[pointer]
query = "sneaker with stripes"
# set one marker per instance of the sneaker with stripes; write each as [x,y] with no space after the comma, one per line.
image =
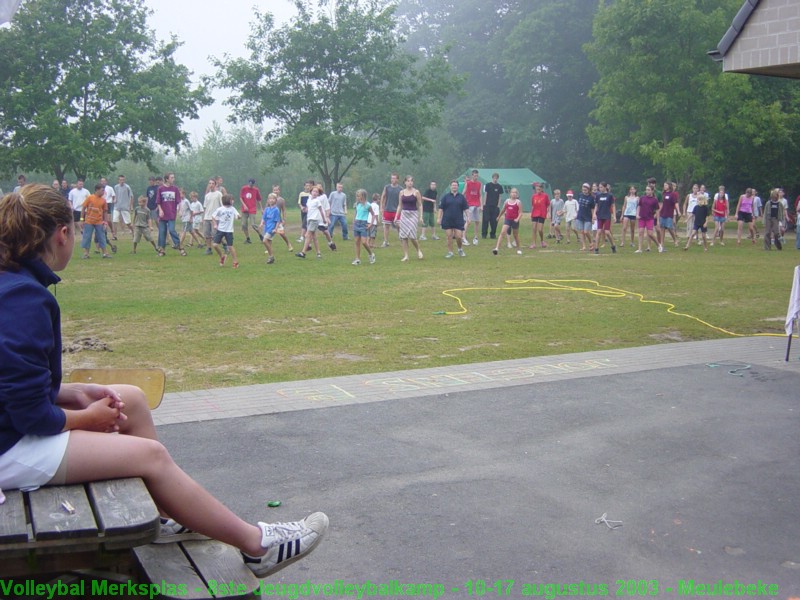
[172,531]
[287,542]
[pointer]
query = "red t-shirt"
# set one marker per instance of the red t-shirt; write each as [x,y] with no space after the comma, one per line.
[472,192]
[249,196]
[540,205]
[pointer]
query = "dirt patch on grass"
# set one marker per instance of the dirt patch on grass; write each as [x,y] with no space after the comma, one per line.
[669,336]
[350,357]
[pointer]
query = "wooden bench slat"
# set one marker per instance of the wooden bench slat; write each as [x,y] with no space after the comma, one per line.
[51,521]
[224,565]
[122,506]
[13,524]
[159,563]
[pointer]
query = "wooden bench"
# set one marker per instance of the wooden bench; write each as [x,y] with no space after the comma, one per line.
[109,525]
[197,569]
[62,528]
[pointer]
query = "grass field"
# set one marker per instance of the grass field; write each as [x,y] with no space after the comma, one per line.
[296,319]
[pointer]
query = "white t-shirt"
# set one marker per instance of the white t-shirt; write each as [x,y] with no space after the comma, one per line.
[315,207]
[571,209]
[212,203]
[197,209]
[225,216]
[111,195]
[373,220]
[77,196]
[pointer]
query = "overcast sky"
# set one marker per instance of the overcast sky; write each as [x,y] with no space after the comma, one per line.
[210,28]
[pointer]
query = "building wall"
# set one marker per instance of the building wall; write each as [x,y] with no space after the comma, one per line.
[770,38]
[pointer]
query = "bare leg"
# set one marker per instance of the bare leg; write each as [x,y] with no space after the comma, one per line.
[93,456]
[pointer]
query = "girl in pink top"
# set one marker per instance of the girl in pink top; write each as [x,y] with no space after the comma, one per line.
[744,214]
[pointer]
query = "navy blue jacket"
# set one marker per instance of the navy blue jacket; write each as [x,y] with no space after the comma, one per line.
[30,354]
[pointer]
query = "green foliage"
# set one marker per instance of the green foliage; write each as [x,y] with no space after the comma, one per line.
[85,85]
[661,98]
[339,87]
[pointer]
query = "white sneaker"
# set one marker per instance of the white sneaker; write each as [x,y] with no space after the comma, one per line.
[661,249]
[356,262]
[287,542]
[300,239]
[509,245]
[372,258]
[461,252]
[419,254]
[435,237]
[465,242]
[385,245]
[422,238]
[449,255]
[474,241]
[519,251]
[172,531]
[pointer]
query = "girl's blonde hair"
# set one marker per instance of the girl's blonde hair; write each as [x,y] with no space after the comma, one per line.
[362,193]
[29,218]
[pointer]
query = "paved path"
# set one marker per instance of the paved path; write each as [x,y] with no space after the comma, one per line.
[497,472]
[243,401]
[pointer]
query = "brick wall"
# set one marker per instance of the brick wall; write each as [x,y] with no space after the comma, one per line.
[771,37]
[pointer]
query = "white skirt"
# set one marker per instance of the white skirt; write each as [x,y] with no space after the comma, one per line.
[32,461]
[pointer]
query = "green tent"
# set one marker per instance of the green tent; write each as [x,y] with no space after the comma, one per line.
[522,179]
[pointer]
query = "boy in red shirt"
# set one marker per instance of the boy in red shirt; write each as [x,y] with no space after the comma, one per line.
[472,192]
[540,207]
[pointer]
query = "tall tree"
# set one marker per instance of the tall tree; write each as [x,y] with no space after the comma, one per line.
[338,85]
[473,32]
[84,85]
[549,79]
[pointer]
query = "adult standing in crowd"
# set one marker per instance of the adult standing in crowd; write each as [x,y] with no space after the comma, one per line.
[64,189]
[124,203]
[168,198]
[452,206]
[77,196]
[491,206]
[390,200]
[408,216]
[472,192]
[250,197]
[429,197]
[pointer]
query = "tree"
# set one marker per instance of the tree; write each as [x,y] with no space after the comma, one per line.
[549,79]
[85,85]
[338,86]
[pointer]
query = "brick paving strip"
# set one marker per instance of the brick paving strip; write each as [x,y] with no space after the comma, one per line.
[242,401]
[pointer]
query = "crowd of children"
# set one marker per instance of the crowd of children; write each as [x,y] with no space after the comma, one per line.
[648,221]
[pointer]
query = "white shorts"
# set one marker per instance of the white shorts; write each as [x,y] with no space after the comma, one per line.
[474,214]
[32,461]
[125,214]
